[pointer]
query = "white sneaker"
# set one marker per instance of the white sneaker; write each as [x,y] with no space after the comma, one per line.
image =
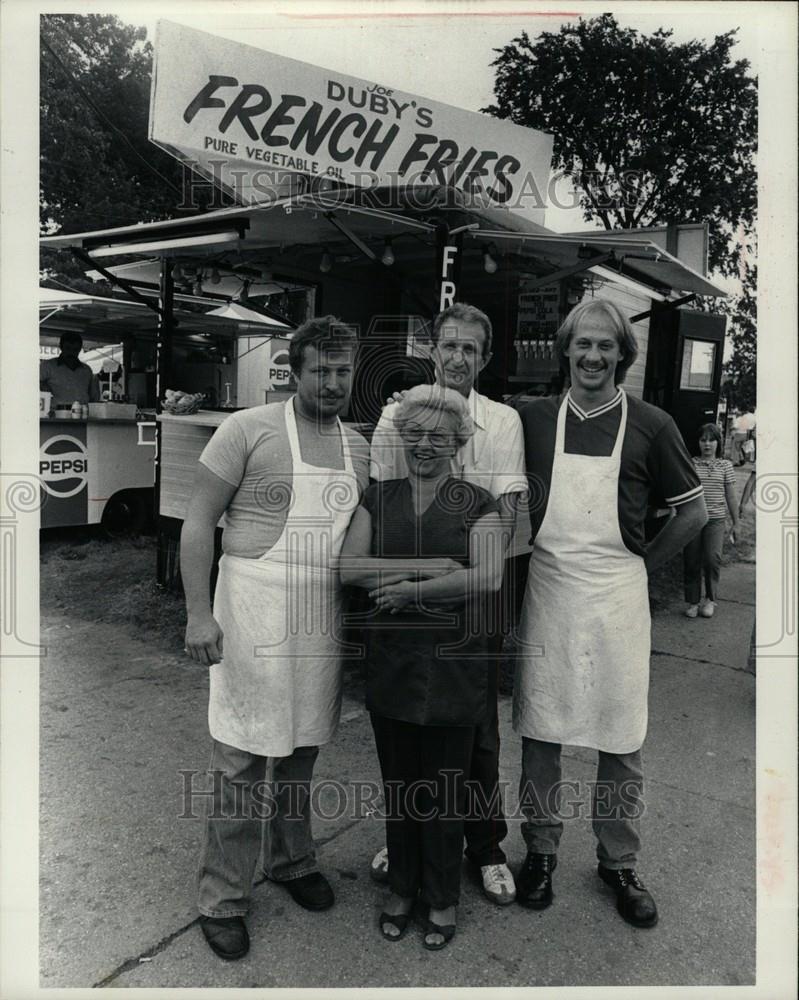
[692,611]
[707,610]
[379,867]
[498,884]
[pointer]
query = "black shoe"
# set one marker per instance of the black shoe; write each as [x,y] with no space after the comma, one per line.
[633,901]
[313,892]
[227,936]
[534,881]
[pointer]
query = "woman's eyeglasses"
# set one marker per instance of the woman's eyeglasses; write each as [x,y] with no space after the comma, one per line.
[413,435]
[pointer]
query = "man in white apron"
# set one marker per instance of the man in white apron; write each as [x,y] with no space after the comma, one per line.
[287,477]
[598,458]
[493,458]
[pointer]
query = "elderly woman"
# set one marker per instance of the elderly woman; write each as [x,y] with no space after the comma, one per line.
[429,550]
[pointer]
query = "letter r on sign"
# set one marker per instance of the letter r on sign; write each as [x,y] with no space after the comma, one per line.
[447,295]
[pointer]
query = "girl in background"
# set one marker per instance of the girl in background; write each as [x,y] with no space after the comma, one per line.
[702,555]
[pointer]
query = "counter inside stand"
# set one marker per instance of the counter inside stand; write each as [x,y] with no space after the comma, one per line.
[76,421]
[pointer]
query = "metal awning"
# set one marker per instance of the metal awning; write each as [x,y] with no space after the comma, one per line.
[229,237]
[106,321]
[300,221]
[641,261]
[248,321]
[145,275]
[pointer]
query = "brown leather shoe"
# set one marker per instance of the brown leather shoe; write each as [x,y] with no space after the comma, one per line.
[226,936]
[534,881]
[633,901]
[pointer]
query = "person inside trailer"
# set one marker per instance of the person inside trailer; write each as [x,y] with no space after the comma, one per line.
[68,378]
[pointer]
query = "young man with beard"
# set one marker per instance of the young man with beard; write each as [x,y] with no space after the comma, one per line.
[287,477]
[598,458]
[494,459]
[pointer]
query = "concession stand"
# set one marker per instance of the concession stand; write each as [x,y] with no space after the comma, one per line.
[99,468]
[382,208]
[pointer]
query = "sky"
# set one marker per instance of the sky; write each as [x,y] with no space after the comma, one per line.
[441,51]
[444,54]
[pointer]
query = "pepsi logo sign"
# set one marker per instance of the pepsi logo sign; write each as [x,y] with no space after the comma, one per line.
[63,466]
[279,373]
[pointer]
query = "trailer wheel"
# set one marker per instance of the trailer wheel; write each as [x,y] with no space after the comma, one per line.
[124,514]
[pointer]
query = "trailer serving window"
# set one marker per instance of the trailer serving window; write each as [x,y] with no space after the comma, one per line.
[698,365]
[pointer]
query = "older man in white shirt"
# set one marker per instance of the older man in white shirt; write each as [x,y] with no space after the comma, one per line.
[494,459]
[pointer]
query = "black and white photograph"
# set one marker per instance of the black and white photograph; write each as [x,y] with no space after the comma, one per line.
[403,593]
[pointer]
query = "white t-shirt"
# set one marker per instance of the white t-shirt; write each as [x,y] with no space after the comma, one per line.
[492,458]
[250,450]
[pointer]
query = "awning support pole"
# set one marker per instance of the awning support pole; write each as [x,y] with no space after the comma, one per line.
[660,307]
[163,376]
[114,279]
[166,326]
[565,272]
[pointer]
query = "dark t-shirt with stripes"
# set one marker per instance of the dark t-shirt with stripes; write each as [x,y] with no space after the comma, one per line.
[656,469]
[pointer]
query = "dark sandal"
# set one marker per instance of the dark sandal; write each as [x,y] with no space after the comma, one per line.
[399,920]
[447,931]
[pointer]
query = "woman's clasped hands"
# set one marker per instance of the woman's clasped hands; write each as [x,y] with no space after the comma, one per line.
[395,597]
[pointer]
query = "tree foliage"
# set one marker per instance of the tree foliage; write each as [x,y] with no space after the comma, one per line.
[98,169]
[740,372]
[650,131]
[94,151]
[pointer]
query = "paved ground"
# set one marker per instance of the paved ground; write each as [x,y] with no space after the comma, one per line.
[118,863]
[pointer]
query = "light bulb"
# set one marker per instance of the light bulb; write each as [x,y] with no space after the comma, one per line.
[388,254]
[326,263]
[489,264]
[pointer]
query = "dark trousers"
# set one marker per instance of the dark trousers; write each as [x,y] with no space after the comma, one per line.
[485,825]
[702,558]
[424,773]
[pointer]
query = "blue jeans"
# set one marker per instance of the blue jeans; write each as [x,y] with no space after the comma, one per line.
[702,558]
[245,809]
[616,804]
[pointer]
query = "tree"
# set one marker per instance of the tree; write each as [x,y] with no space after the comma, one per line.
[650,131]
[740,385]
[97,167]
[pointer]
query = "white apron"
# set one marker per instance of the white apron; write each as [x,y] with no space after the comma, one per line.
[582,675]
[279,683]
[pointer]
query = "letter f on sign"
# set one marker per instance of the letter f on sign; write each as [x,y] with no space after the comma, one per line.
[204,99]
[447,257]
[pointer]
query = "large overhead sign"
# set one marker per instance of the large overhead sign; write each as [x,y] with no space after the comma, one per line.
[253,121]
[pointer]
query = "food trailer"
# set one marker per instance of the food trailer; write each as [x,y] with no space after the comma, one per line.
[383,243]
[100,468]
